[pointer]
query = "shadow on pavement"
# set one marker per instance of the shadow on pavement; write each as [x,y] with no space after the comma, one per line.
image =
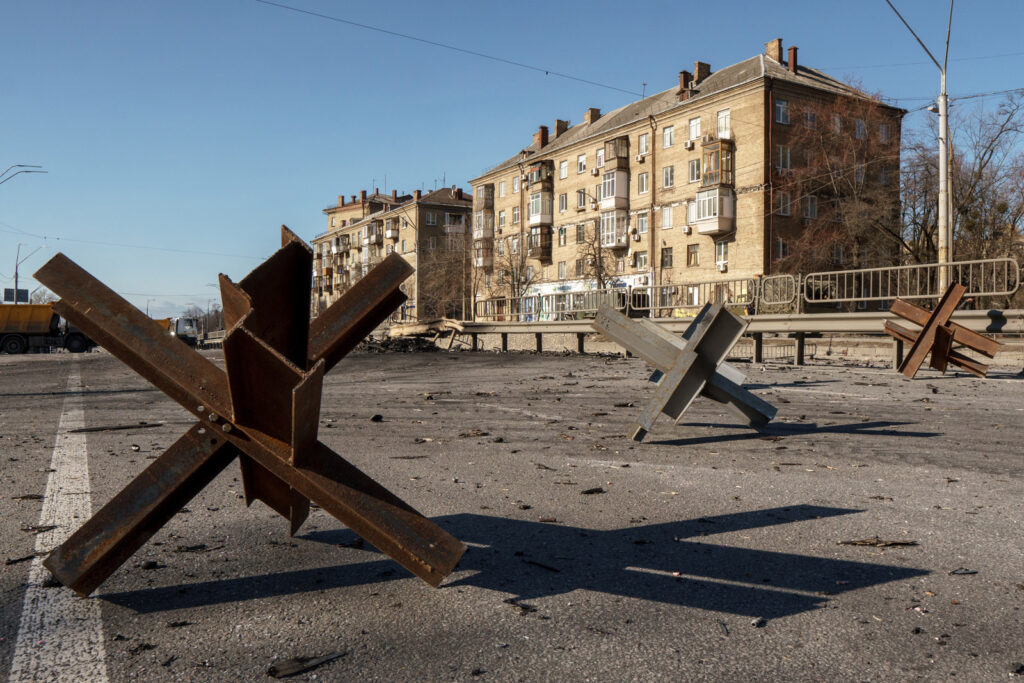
[668,563]
[779,429]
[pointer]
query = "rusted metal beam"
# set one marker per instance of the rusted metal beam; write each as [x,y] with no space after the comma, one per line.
[265,409]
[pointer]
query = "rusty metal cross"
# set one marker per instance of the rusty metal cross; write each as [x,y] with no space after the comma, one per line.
[937,335]
[264,410]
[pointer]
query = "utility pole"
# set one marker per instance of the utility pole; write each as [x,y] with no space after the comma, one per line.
[945,233]
[17,262]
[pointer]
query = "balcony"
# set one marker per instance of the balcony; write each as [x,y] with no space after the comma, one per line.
[373,236]
[717,162]
[716,212]
[391,232]
[483,225]
[484,200]
[483,257]
[615,190]
[541,208]
[538,245]
[456,225]
[345,242]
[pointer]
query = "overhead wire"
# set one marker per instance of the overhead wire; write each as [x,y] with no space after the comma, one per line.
[447,46]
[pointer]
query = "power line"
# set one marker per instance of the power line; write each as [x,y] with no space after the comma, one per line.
[447,46]
[959,59]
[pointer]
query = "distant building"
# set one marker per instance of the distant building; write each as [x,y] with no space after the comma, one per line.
[429,230]
[694,183]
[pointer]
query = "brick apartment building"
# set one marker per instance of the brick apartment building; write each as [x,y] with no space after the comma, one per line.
[430,230]
[692,184]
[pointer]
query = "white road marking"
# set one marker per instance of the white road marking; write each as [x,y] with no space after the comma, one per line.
[61,635]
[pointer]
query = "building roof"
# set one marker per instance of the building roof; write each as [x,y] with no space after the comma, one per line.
[755,68]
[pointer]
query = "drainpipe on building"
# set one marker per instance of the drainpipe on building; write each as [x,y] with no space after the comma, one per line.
[654,183]
[769,111]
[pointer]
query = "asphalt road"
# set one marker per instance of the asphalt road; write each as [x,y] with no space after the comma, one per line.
[712,552]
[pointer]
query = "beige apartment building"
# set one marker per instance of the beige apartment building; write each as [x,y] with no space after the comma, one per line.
[692,184]
[430,231]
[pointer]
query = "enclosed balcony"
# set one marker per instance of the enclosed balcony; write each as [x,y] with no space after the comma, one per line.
[538,244]
[373,234]
[483,256]
[484,199]
[716,212]
[483,225]
[391,229]
[541,208]
[344,242]
[614,190]
[717,163]
[455,225]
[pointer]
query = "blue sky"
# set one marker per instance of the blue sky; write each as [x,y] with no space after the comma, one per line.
[178,135]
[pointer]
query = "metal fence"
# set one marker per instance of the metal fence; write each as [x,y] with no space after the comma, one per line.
[571,305]
[771,294]
[983,278]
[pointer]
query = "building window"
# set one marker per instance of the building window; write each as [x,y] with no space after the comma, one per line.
[643,143]
[860,129]
[810,120]
[693,296]
[515,185]
[581,199]
[581,163]
[883,132]
[691,213]
[599,191]
[782,204]
[432,243]
[563,202]
[501,219]
[608,184]
[332,221]
[599,157]
[431,218]
[533,208]
[721,253]
[883,174]
[403,246]
[837,254]
[529,273]
[781,157]
[643,183]
[563,170]
[641,260]
[724,123]
[620,265]
[666,217]
[515,215]
[692,255]
[810,206]
[561,270]
[513,245]
[563,236]
[707,204]
[641,223]
[667,135]
[668,176]
[695,128]
[858,174]
[608,229]
[837,123]
[501,247]
[694,166]
[501,189]
[666,257]
[405,223]
[781,111]
[501,277]
[579,267]
[781,248]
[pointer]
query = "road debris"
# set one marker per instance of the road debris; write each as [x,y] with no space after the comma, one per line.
[115,428]
[523,607]
[377,418]
[37,529]
[28,496]
[759,622]
[589,492]
[877,542]
[963,572]
[298,665]
[16,560]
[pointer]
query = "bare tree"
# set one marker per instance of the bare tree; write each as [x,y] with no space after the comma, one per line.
[513,273]
[43,296]
[444,279]
[836,185]
[598,261]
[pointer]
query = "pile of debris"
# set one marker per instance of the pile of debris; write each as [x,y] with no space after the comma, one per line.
[408,344]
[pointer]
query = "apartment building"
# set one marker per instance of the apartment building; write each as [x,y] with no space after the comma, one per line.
[695,183]
[430,230]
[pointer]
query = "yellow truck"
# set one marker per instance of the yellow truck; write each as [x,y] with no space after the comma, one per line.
[36,327]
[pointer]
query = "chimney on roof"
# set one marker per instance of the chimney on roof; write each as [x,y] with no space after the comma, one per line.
[362,195]
[458,193]
[560,127]
[591,116]
[394,195]
[353,199]
[792,58]
[540,138]
[416,195]
[376,190]
[685,81]
[773,48]
[341,200]
[701,70]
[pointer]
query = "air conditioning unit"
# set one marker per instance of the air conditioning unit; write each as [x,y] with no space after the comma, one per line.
[688,144]
[687,229]
[639,158]
[595,171]
[644,280]
[722,266]
[636,238]
[708,138]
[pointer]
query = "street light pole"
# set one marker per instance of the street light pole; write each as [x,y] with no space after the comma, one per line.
[945,233]
[26,168]
[17,262]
